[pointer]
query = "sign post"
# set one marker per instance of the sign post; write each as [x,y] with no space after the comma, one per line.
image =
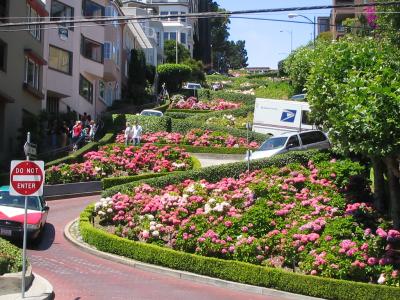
[26,179]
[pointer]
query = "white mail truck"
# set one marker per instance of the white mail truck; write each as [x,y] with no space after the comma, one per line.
[275,117]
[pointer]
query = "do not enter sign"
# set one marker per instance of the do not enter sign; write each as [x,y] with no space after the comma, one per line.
[26,178]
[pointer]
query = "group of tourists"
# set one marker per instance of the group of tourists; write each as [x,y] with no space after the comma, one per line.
[133,133]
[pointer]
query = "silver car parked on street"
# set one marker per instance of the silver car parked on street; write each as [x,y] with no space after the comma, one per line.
[292,141]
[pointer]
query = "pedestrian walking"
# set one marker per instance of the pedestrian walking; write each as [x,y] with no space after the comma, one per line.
[93,129]
[137,133]
[76,131]
[64,134]
[128,133]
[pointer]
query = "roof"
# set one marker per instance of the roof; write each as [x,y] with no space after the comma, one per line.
[4,188]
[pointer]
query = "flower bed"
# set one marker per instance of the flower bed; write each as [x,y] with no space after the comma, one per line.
[231,121]
[194,104]
[292,218]
[120,160]
[195,137]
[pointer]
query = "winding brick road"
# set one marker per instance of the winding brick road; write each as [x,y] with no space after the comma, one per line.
[76,275]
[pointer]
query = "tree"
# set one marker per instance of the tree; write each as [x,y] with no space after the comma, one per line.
[197,73]
[136,75]
[237,54]
[298,66]
[170,52]
[353,92]
[388,21]
[173,75]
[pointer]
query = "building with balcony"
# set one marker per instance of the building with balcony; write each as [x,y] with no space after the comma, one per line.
[21,72]
[323,24]
[85,60]
[338,15]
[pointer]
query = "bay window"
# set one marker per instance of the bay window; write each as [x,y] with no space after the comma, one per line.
[91,9]
[61,11]
[33,17]
[60,60]
[32,72]
[85,88]
[91,49]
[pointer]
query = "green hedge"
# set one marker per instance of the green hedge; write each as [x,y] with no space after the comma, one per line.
[10,258]
[173,75]
[206,149]
[149,123]
[77,156]
[232,270]
[216,173]
[184,126]
[234,97]
[114,181]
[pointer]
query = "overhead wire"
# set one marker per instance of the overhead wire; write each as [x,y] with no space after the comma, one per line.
[195,15]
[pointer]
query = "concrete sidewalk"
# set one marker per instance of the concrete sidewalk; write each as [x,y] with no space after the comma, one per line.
[210,159]
[40,289]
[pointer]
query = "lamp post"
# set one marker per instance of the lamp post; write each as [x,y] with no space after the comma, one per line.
[291,38]
[291,16]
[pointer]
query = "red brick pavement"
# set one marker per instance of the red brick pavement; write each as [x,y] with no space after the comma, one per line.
[76,275]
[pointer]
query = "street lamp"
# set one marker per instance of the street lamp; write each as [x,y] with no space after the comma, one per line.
[291,38]
[291,16]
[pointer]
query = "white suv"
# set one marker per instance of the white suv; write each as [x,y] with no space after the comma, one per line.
[313,139]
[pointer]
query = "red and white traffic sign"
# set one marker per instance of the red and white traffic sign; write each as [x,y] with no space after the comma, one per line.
[26,178]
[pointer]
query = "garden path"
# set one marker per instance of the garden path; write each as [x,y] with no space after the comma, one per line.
[208,159]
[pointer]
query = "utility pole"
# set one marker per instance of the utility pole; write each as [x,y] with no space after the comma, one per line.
[176,47]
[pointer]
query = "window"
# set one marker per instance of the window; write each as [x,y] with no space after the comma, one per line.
[52,105]
[166,36]
[60,60]
[164,13]
[92,50]
[107,50]
[183,19]
[172,36]
[60,11]
[293,142]
[3,11]
[305,118]
[101,89]
[109,95]
[173,18]
[3,56]
[312,137]
[112,12]
[85,88]
[33,17]
[91,9]
[32,71]
[183,38]
[158,39]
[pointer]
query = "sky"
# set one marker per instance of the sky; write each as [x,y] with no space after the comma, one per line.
[266,45]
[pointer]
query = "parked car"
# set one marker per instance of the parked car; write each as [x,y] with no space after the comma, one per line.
[12,215]
[313,139]
[299,97]
[192,86]
[151,112]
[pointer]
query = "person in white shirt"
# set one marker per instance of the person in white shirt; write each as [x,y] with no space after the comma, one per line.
[137,132]
[128,133]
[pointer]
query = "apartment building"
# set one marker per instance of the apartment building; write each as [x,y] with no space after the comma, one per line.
[84,72]
[21,69]
[148,33]
[338,15]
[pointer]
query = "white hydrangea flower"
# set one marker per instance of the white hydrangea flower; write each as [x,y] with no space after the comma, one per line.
[155,233]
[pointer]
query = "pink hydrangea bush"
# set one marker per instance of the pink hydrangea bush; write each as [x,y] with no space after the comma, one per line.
[293,217]
[120,160]
[195,137]
[195,104]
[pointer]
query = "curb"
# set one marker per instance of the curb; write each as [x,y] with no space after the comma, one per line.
[180,274]
[40,289]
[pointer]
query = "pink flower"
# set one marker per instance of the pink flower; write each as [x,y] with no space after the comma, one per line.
[245,229]
[314,272]
[382,233]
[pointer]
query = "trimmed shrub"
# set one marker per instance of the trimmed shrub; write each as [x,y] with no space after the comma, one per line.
[10,258]
[149,124]
[77,156]
[114,181]
[216,173]
[183,126]
[173,75]
[229,269]
[189,111]
[208,149]
[234,97]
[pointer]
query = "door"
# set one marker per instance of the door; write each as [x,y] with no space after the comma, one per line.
[293,143]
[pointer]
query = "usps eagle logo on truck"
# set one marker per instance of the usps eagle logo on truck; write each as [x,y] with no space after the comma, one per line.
[288,115]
